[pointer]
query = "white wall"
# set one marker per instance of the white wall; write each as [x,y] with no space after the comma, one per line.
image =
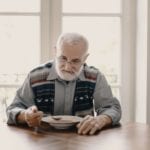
[148,67]
[141,61]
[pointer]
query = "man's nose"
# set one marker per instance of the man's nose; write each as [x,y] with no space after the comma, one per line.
[68,66]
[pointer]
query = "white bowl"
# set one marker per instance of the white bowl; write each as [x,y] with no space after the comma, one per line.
[62,122]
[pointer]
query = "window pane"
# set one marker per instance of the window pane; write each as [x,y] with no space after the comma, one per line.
[92,6]
[20,43]
[104,42]
[19,5]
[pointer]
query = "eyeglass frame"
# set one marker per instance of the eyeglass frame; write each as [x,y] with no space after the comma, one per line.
[73,62]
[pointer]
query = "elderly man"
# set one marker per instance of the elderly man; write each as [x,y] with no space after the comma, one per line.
[66,86]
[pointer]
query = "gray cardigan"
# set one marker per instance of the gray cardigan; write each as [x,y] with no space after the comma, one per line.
[105,103]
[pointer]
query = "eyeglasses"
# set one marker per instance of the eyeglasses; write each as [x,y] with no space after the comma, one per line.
[74,62]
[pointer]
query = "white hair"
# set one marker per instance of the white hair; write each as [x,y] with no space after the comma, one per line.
[72,39]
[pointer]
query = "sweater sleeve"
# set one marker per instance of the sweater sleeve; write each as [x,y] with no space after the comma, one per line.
[105,102]
[22,100]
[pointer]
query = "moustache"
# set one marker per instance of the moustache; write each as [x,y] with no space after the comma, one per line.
[68,72]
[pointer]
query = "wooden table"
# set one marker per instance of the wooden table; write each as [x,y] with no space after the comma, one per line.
[131,136]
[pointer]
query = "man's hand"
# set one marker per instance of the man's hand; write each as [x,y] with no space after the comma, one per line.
[31,116]
[90,124]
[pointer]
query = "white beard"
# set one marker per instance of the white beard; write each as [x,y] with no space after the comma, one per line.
[65,75]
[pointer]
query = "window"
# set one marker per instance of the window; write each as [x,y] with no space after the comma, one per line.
[20,44]
[109,25]
[100,22]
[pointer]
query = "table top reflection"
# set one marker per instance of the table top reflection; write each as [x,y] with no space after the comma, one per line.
[131,136]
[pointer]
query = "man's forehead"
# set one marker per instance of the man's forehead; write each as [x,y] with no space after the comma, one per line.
[72,50]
